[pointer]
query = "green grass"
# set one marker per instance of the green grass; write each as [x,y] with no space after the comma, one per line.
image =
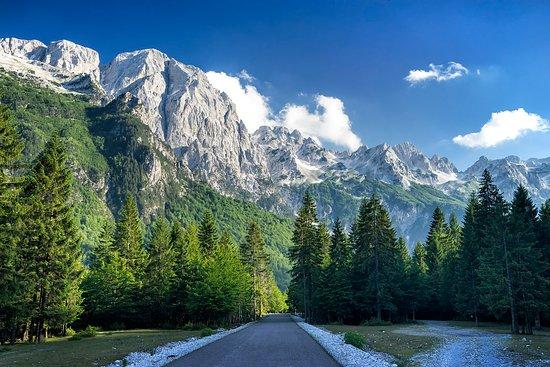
[104,348]
[385,339]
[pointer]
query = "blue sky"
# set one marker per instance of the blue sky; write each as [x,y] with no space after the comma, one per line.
[356,51]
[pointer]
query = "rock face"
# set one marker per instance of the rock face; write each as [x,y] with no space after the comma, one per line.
[511,171]
[66,58]
[182,108]
[210,143]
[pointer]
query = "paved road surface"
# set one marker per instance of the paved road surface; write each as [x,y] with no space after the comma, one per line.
[274,341]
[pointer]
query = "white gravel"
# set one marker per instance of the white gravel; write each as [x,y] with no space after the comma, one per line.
[345,354]
[167,353]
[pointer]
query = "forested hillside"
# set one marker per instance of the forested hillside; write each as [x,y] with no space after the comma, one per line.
[136,275]
[112,154]
[493,266]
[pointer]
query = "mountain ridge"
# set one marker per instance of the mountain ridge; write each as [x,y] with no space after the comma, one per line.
[273,166]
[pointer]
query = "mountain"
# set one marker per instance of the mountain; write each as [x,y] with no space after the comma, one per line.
[199,138]
[510,172]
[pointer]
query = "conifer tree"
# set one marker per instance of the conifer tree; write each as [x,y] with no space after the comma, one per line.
[109,291]
[496,286]
[525,260]
[194,267]
[420,295]
[449,266]
[178,240]
[13,287]
[468,298]
[338,296]
[223,292]
[402,291]
[374,258]
[543,245]
[208,233]
[105,247]
[129,239]
[436,245]
[52,243]
[307,257]
[255,259]
[160,272]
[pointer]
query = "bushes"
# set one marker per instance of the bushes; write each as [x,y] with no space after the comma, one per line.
[206,332]
[355,339]
[89,332]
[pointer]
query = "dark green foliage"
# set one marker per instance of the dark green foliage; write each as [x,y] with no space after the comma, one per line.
[337,293]
[418,286]
[206,332]
[160,274]
[208,233]
[526,263]
[468,298]
[12,282]
[375,259]
[129,238]
[224,288]
[307,255]
[254,257]
[51,243]
[356,339]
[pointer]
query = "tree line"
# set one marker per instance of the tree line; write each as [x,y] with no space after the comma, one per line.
[495,265]
[137,276]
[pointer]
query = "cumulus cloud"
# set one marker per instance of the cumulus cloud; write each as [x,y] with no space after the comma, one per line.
[252,107]
[438,73]
[327,123]
[503,126]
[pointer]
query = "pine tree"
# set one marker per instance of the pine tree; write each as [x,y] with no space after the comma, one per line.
[307,257]
[496,286]
[402,289]
[13,287]
[223,292]
[449,266]
[194,267]
[208,233]
[420,294]
[52,245]
[374,245]
[337,295]
[255,258]
[543,245]
[104,248]
[468,298]
[109,289]
[129,239]
[525,260]
[160,271]
[436,244]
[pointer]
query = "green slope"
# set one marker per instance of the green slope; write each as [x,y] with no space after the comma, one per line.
[111,152]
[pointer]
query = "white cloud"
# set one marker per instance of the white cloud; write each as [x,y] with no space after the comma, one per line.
[328,123]
[438,73]
[252,107]
[503,126]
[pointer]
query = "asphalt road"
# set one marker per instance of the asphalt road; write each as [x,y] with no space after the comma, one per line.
[275,341]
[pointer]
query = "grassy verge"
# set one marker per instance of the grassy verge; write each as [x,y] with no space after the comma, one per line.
[385,339]
[97,351]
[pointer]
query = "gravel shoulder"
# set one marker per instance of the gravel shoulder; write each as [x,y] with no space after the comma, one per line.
[467,347]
